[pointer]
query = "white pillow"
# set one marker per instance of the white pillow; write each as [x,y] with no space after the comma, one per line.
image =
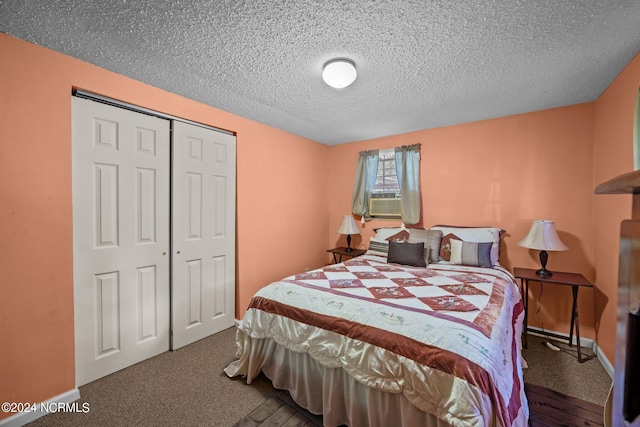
[477,235]
[385,233]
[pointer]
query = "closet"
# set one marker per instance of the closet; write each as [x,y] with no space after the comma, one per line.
[154,235]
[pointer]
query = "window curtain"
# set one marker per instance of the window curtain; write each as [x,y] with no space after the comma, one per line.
[408,172]
[366,173]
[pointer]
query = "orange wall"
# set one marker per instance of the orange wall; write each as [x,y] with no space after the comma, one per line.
[503,172]
[613,156]
[282,205]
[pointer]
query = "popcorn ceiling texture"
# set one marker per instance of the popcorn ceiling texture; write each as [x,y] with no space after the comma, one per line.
[421,64]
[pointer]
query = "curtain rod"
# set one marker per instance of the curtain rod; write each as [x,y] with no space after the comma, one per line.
[116,103]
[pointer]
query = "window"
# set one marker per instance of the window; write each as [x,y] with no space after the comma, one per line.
[378,185]
[387,180]
[385,196]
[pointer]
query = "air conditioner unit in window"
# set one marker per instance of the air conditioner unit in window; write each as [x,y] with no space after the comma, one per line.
[388,207]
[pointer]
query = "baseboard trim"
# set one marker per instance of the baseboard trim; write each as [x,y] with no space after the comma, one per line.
[23,418]
[608,366]
[584,342]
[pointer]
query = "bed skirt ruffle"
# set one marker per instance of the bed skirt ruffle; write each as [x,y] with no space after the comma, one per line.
[332,392]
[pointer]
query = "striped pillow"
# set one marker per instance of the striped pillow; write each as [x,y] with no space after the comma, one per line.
[378,247]
[471,253]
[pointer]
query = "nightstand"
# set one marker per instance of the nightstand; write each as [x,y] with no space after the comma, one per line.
[343,251]
[576,281]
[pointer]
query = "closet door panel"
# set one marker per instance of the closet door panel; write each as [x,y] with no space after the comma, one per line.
[121,237]
[203,212]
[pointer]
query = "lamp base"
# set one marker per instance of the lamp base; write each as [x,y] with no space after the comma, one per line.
[348,243]
[543,272]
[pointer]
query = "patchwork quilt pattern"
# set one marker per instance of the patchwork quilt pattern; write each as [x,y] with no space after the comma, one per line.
[467,294]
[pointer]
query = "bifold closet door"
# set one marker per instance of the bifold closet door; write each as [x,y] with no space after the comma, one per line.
[203,233]
[120,237]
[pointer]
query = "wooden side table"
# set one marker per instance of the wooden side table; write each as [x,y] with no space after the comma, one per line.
[343,251]
[558,278]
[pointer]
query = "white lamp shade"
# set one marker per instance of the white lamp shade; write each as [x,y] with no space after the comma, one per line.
[348,226]
[339,73]
[543,236]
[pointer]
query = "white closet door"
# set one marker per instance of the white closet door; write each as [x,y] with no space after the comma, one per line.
[203,217]
[120,237]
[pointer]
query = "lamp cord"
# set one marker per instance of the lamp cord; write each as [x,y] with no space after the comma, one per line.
[566,350]
[538,313]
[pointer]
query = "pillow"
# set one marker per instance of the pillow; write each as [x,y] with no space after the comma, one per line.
[471,253]
[476,234]
[407,254]
[378,247]
[445,246]
[401,236]
[385,233]
[431,240]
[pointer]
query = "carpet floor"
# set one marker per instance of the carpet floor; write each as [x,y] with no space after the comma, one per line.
[188,387]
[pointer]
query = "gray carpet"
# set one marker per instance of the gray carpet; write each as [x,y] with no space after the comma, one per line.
[560,371]
[189,387]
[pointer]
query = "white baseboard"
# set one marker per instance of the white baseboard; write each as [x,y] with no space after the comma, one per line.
[43,408]
[603,359]
[584,342]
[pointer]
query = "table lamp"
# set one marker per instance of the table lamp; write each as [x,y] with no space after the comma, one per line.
[543,236]
[348,227]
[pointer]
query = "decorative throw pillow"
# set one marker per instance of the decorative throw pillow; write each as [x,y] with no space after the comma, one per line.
[384,232]
[431,240]
[476,234]
[445,246]
[407,254]
[471,253]
[378,247]
[401,237]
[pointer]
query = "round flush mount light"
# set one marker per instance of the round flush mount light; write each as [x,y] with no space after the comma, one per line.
[339,73]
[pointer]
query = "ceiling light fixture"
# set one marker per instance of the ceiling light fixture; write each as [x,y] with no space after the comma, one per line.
[339,73]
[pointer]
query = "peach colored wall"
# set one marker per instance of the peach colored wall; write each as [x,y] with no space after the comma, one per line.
[282,207]
[613,156]
[503,172]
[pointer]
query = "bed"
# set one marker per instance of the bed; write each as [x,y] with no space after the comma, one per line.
[385,339]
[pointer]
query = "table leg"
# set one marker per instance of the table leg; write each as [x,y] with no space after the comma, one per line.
[575,321]
[574,315]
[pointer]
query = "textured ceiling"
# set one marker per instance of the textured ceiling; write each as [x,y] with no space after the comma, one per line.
[421,64]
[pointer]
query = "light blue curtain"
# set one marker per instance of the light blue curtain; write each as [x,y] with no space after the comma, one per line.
[408,172]
[366,173]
